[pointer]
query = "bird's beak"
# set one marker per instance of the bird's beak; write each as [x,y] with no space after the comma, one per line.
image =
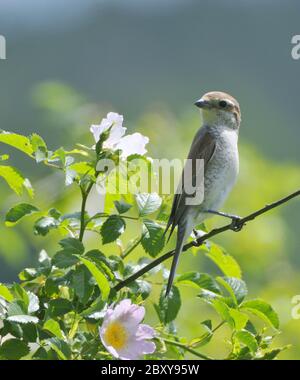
[201,103]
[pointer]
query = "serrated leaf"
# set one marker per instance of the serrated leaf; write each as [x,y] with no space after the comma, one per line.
[208,296]
[223,310]
[80,282]
[112,228]
[23,319]
[17,212]
[263,310]
[33,305]
[72,244]
[153,239]
[59,307]
[101,280]
[98,258]
[43,225]
[224,261]
[199,280]
[240,319]
[148,203]
[235,287]
[53,327]
[39,147]
[15,180]
[64,259]
[248,339]
[17,141]
[169,306]
[14,349]
[60,347]
[5,293]
[122,206]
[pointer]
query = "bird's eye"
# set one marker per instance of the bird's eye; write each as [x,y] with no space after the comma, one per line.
[223,103]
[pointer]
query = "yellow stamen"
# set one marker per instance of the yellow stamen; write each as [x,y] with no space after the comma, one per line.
[116,335]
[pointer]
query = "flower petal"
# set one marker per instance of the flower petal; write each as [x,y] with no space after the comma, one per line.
[132,144]
[116,132]
[145,332]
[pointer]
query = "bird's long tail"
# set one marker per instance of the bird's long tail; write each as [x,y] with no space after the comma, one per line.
[181,236]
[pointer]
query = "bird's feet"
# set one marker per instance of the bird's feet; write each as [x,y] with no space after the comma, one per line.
[236,224]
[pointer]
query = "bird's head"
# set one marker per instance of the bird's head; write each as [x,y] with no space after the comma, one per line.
[219,109]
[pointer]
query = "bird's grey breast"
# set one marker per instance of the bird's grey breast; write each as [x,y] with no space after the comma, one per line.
[222,170]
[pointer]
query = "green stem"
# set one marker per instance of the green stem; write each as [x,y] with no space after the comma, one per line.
[85,194]
[132,247]
[186,348]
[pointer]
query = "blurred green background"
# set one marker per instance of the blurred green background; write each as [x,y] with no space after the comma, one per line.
[70,62]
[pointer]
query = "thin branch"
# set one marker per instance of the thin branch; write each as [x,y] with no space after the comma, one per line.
[236,226]
[186,348]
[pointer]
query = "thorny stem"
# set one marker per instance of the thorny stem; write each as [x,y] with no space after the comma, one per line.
[236,226]
[186,348]
[84,194]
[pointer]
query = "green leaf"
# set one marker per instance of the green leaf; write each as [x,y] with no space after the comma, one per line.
[112,228]
[209,296]
[39,147]
[248,339]
[23,319]
[80,281]
[30,332]
[262,310]
[101,280]
[205,337]
[4,157]
[21,294]
[224,311]
[15,180]
[18,211]
[169,306]
[40,354]
[82,168]
[53,327]
[33,305]
[17,308]
[140,287]
[225,262]
[270,355]
[240,319]
[98,258]
[148,203]
[43,225]
[72,244]
[153,239]
[122,206]
[59,307]
[235,287]
[65,259]
[17,141]
[60,347]
[5,293]
[199,280]
[14,349]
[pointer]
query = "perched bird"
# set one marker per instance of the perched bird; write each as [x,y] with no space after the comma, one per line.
[216,142]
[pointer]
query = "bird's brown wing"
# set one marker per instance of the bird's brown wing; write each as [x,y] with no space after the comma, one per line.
[203,147]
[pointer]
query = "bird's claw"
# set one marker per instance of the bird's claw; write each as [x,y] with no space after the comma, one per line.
[236,224]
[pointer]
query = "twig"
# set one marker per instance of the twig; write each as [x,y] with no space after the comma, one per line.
[186,348]
[237,225]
